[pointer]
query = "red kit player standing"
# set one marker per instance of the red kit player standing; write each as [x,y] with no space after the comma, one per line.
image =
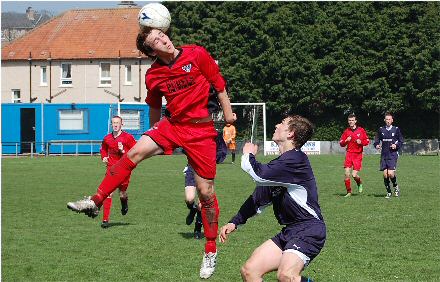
[113,147]
[183,76]
[355,138]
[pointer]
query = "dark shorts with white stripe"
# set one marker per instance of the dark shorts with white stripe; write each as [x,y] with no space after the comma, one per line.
[390,164]
[306,237]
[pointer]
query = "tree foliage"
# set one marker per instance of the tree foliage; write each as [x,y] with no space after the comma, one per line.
[325,59]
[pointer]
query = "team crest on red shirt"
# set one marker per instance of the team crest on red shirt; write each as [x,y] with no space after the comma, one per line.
[187,68]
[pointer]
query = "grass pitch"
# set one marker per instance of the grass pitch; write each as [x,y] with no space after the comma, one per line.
[369,238]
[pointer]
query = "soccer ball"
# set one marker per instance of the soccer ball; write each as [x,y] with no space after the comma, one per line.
[154,15]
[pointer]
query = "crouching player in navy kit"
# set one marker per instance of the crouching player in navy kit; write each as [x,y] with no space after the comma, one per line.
[288,183]
[392,140]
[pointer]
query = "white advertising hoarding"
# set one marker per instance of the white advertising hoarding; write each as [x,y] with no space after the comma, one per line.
[310,148]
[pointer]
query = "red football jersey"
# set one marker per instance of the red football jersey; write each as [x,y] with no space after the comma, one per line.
[184,83]
[110,148]
[352,145]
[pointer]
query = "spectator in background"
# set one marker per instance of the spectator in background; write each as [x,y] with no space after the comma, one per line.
[113,147]
[354,138]
[392,140]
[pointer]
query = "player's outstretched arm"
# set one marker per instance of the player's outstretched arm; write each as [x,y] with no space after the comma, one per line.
[225,230]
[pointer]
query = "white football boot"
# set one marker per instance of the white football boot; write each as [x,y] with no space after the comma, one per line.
[86,206]
[208,265]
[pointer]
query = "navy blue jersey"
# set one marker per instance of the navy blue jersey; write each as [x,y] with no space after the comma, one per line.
[389,136]
[287,183]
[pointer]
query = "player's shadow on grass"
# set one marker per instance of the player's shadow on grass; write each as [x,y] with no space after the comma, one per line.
[343,194]
[116,224]
[189,235]
[376,195]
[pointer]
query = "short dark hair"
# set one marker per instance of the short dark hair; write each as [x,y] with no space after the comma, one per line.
[388,114]
[140,44]
[351,116]
[302,128]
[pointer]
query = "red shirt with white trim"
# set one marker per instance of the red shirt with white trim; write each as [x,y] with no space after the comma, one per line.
[352,145]
[110,148]
[184,83]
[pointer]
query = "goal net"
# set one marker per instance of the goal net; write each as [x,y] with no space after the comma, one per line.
[250,124]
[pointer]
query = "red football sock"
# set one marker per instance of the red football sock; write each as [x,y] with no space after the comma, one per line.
[107,204]
[114,177]
[358,180]
[347,185]
[210,214]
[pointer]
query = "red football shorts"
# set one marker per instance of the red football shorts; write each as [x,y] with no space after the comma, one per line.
[197,139]
[353,160]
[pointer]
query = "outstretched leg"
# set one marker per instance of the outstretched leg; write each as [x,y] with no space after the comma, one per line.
[143,149]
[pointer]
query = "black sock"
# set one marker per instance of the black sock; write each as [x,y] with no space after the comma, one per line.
[394,180]
[190,206]
[199,217]
[198,225]
[233,157]
[305,279]
[386,181]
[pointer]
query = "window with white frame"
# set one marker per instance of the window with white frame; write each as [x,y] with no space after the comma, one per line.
[66,74]
[128,74]
[72,119]
[43,80]
[105,78]
[16,96]
[131,119]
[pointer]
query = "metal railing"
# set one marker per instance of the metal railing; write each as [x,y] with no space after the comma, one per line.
[53,147]
[91,147]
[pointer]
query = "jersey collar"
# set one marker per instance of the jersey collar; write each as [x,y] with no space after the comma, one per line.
[170,65]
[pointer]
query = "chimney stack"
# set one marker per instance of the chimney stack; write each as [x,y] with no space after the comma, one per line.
[127,4]
[30,14]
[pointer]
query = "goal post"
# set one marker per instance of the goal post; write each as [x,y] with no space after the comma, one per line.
[250,124]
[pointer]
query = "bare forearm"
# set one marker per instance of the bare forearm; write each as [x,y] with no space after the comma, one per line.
[226,106]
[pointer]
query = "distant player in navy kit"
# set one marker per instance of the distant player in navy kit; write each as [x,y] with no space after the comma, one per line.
[392,140]
[288,183]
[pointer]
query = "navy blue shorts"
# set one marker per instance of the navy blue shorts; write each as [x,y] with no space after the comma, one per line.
[390,164]
[189,176]
[306,239]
